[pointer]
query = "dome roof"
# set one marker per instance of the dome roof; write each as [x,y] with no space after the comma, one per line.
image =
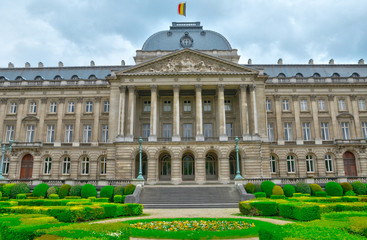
[186,35]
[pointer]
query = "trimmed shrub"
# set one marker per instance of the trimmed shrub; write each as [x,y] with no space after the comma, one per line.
[302,187]
[40,190]
[277,196]
[88,190]
[250,187]
[273,233]
[1,195]
[64,190]
[266,208]
[315,188]
[21,196]
[19,188]
[289,190]
[350,199]
[267,187]
[359,188]
[277,190]
[117,199]
[306,212]
[53,196]
[257,187]
[321,194]
[350,193]
[346,187]
[260,195]
[119,190]
[247,209]
[1,187]
[286,209]
[75,190]
[129,189]
[333,189]
[7,188]
[107,192]
[52,190]
[73,197]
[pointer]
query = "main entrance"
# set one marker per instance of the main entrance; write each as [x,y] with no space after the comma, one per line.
[165,167]
[188,167]
[26,168]
[350,168]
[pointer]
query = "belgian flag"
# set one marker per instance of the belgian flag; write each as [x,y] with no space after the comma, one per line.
[182,9]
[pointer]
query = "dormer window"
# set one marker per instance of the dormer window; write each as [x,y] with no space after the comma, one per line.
[74,77]
[316,75]
[19,78]
[335,75]
[57,77]
[92,77]
[38,78]
[299,75]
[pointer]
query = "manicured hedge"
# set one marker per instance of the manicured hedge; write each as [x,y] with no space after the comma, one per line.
[266,208]
[299,211]
[289,190]
[88,190]
[129,189]
[19,188]
[267,187]
[350,193]
[333,189]
[250,187]
[21,196]
[346,187]
[40,190]
[260,195]
[302,187]
[52,190]
[1,195]
[315,188]
[7,188]
[119,190]
[277,190]
[107,192]
[359,188]
[54,196]
[75,190]
[277,196]
[64,190]
[321,194]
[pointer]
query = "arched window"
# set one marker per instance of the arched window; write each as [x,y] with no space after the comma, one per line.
[310,163]
[47,165]
[19,78]
[335,75]
[281,75]
[66,166]
[6,165]
[57,77]
[328,163]
[291,165]
[92,77]
[316,75]
[85,165]
[273,164]
[103,165]
[355,75]
[74,77]
[2,78]
[299,75]
[38,78]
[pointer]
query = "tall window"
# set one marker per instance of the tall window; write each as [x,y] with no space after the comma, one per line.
[207,105]
[68,133]
[87,133]
[364,129]
[229,129]
[104,133]
[328,163]
[53,107]
[291,164]
[167,107]
[103,165]
[306,131]
[33,107]
[208,130]
[50,133]
[47,165]
[322,106]
[6,165]
[273,166]
[187,106]
[345,130]
[268,105]
[85,166]
[187,130]
[13,108]
[9,133]
[30,133]
[309,163]
[325,131]
[71,107]
[362,105]
[270,132]
[146,107]
[341,104]
[89,107]
[227,105]
[66,166]
[167,130]
[285,104]
[303,105]
[288,136]
[106,106]
[146,130]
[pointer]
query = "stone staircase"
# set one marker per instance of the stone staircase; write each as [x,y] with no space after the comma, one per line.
[189,196]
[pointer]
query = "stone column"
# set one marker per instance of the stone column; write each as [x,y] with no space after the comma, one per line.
[223,170]
[315,117]
[41,127]
[113,116]
[4,102]
[299,138]
[176,114]
[333,114]
[153,114]
[244,113]
[176,170]
[60,114]
[37,166]
[130,115]
[78,113]
[121,123]
[253,99]
[357,123]
[199,114]
[278,113]
[18,129]
[221,114]
[200,173]
[152,171]
[95,133]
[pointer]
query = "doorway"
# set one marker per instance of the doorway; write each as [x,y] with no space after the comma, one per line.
[26,168]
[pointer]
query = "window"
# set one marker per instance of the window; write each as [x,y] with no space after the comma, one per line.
[53,107]
[345,130]
[13,108]
[50,133]
[104,133]
[47,165]
[270,132]
[66,166]
[187,106]
[68,133]
[291,164]
[364,129]
[306,131]
[89,107]
[106,106]
[303,105]
[146,130]
[288,136]
[33,107]
[30,133]
[325,131]
[328,163]
[207,105]
[87,133]
[322,106]
[273,166]
[268,105]
[362,105]
[208,130]
[227,105]
[103,165]
[167,106]
[309,163]
[146,106]
[285,104]
[71,107]
[229,129]
[167,130]
[341,104]
[85,165]
[187,130]
[6,165]
[9,133]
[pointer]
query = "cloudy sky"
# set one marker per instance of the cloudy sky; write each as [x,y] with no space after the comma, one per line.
[107,31]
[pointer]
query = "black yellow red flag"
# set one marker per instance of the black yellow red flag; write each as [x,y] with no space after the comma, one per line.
[182,9]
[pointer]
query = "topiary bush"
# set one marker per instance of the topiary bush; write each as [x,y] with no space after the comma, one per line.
[119,190]
[7,188]
[76,190]
[267,187]
[107,192]
[40,190]
[88,190]
[21,196]
[257,187]
[52,190]
[321,194]
[346,187]
[1,187]
[333,189]
[129,189]
[289,190]
[260,195]
[350,193]
[250,187]
[277,190]
[19,188]
[302,187]
[64,190]
[359,188]
[54,196]
[315,188]
[117,199]
[1,195]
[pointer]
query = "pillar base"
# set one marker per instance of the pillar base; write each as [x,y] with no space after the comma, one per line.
[76,144]
[281,142]
[318,141]
[176,138]
[57,144]
[200,138]
[129,138]
[94,144]
[256,137]
[120,138]
[176,181]
[152,138]
[223,138]
[246,137]
[299,142]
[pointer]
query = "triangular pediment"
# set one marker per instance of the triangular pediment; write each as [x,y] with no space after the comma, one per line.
[187,61]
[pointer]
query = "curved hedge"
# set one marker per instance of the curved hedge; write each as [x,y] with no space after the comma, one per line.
[315,188]
[129,189]
[40,190]
[19,188]
[333,189]
[52,190]
[346,187]
[277,190]
[250,187]
[302,187]
[359,188]
[267,187]
[64,190]
[107,192]
[289,190]
[88,190]
[76,190]
[119,190]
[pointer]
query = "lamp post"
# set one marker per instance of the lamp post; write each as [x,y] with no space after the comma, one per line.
[2,158]
[140,176]
[238,174]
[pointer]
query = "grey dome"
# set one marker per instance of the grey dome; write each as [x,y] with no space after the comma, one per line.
[192,32]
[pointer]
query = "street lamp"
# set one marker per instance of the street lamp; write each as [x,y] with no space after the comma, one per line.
[140,177]
[2,158]
[238,174]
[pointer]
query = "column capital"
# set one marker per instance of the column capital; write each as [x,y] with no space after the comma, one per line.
[79,99]
[21,100]
[313,97]
[353,97]
[153,87]
[131,87]
[98,99]
[43,100]
[243,87]
[252,87]
[4,100]
[295,97]
[221,87]
[277,97]
[176,87]
[122,88]
[330,97]
[198,87]
[61,100]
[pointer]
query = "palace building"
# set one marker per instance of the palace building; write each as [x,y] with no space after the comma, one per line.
[188,98]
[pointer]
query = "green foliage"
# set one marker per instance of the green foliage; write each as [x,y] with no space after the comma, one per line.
[250,187]
[266,208]
[257,187]
[247,209]
[267,187]
[350,193]
[1,187]
[88,190]
[315,188]
[119,190]
[21,196]
[302,187]
[1,195]
[103,200]
[296,195]
[7,188]
[346,187]
[260,195]
[271,233]
[18,189]
[289,190]
[321,194]
[64,190]
[107,192]
[75,190]
[277,190]
[129,189]
[40,190]
[333,189]
[52,190]
[277,196]
[73,197]
[350,198]
[117,199]
[359,188]
[54,196]
[299,211]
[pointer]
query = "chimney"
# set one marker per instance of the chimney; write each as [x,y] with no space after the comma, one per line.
[61,64]
[280,61]
[40,65]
